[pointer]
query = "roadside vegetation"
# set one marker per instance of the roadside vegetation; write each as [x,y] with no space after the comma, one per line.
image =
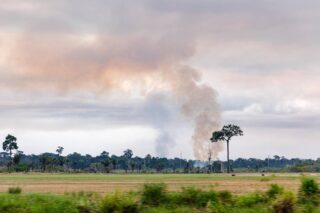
[154,198]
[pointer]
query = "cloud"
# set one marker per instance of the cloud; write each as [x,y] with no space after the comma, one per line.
[121,62]
[130,64]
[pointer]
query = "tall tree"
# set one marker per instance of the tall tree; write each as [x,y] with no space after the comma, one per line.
[60,160]
[105,161]
[225,134]
[45,160]
[9,145]
[104,154]
[17,157]
[59,150]
[127,154]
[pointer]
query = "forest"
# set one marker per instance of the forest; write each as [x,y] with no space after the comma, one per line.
[13,159]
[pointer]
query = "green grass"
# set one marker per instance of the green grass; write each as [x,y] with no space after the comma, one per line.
[60,183]
[155,198]
[36,203]
[140,177]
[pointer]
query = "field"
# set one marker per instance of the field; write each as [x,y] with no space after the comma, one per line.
[105,183]
[159,193]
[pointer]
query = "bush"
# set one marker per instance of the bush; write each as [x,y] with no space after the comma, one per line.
[154,194]
[216,207]
[309,191]
[119,203]
[191,196]
[14,190]
[86,200]
[308,208]
[274,190]
[36,203]
[225,196]
[211,196]
[169,210]
[251,200]
[309,187]
[285,203]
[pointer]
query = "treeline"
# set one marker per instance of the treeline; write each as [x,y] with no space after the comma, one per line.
[103,163]
[13,159]
[128,163]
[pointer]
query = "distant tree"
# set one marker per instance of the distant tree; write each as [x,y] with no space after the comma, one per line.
[187,168]
[209,159]
[225,134]
[127,155]
[104,154]
[132,165]
[276,157]
[114,163]
[17,157]
[106,164]
[105,161]
[9,145]
[45,160]
[59,150]
[147,161]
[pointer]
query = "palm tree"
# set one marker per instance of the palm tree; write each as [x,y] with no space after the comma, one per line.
[226,134]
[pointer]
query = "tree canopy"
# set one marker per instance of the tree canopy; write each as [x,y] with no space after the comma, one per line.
[10,144]
[226,133]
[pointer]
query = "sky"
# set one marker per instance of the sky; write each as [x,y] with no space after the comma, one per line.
[159,77]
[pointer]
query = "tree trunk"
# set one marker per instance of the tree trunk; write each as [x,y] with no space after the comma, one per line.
[228,169]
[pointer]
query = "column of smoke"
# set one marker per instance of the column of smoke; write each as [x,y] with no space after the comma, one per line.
[105,65]
[199,105]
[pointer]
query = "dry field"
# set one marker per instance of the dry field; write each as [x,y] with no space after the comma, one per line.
[104,183]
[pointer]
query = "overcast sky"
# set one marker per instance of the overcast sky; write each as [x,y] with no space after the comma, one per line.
[158,76]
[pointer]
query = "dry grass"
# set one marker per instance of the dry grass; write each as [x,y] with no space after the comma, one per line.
[105,183]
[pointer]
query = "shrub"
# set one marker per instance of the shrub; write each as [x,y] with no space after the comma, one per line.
[154,194]
[251,200]
[14,190]
[84,209]
[190,196]
[212,196]
[309,191]
[308,208]
[120,203]
[309,187]
[274,190]
[86,200]
[169,210]
[36,203]
[285,203]
[225,196]
[216,207]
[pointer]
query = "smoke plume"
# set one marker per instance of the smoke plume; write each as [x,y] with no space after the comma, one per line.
[128,64]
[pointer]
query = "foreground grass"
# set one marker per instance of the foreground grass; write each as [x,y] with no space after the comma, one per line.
[155,198]
[36,203]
